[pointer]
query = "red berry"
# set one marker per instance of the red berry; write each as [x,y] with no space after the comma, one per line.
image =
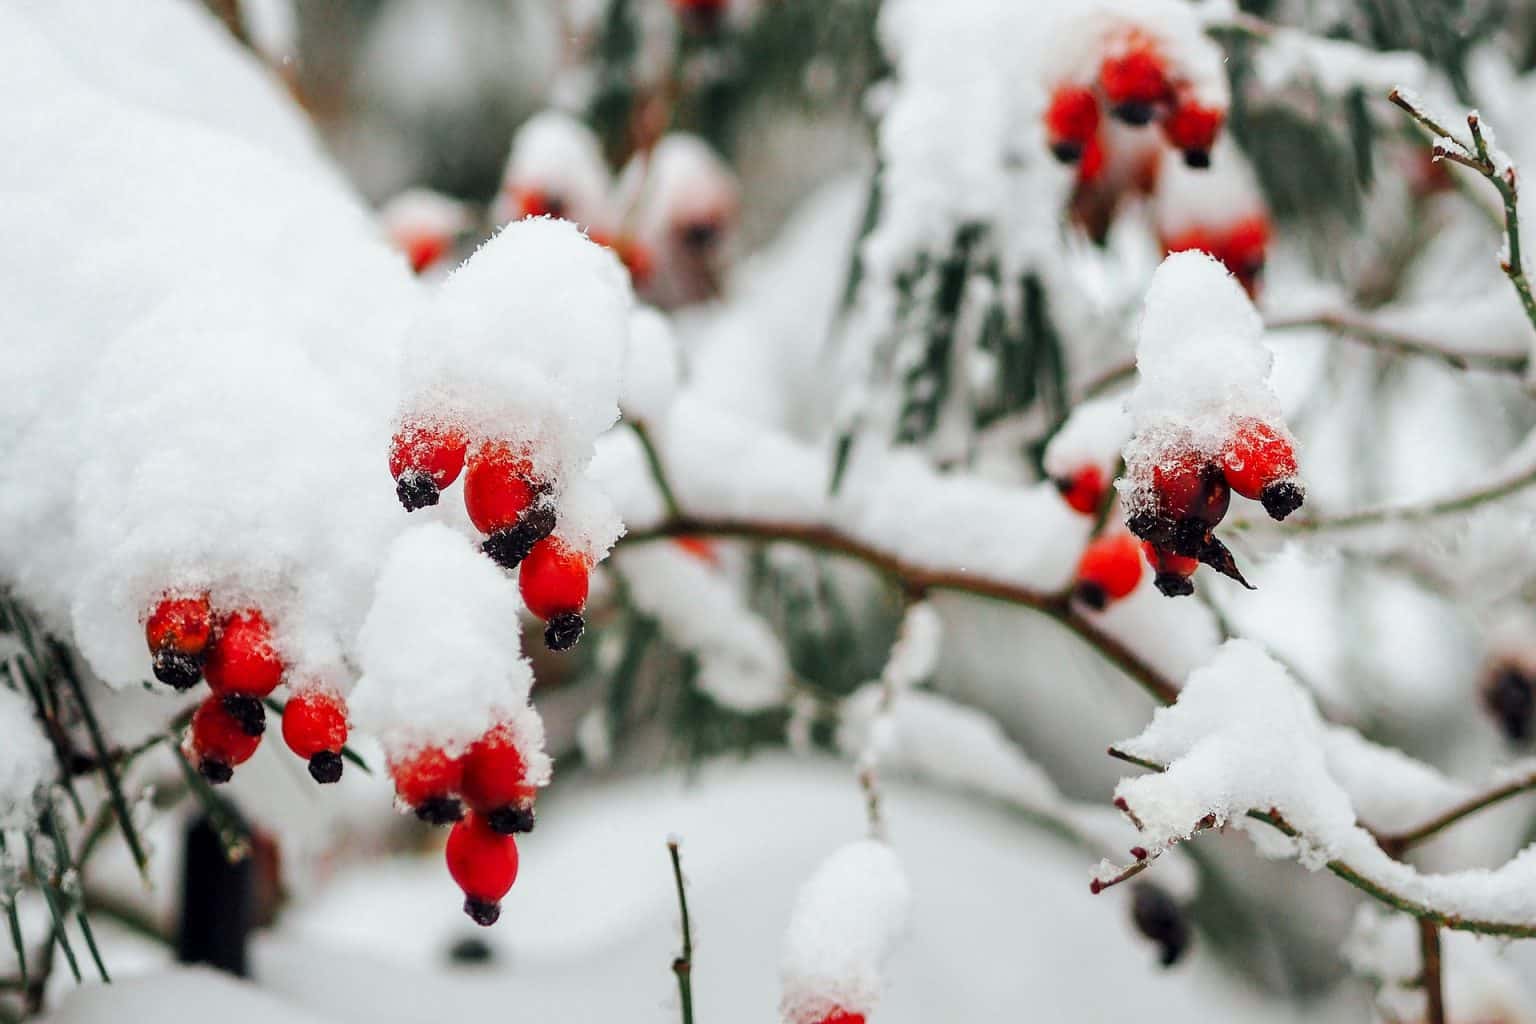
[1134,80]
[701,548]
[553,579]
[219,740]
[180,624]
[495,783]
[1188,487]
[1192,129]
[1260,464]
[241,659]
[842,1017]
[1171,572]
[1091,166]
[1109,570]
[428,782]
[1243,249]
[425,455]
[484,864]
[1192,240]
[1084,490]
[424,250]
[535,202]
[1071,121]
[498,486]
[315,728]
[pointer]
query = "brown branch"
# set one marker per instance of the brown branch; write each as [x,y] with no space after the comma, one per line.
[1360,328]
[682,966]
[914,579]
[1434,992]
[1399,842]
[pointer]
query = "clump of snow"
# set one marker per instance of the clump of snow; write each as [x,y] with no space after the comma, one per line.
[651,369]
[28,764]
[440,653]
[847,917]
[1092,436]
[915,654]
[558,158]
[741,663]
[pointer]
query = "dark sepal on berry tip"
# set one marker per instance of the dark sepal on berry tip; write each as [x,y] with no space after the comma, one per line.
[1216,555]
[1134,113]
[440,810]
[247,712]
[1092,595]
[1067,152]
[416,489]
[510,820]
[1171,584]
[1160,919]
[1199,159]
[215,771]
[325,767]
[1510,698]
[178,670]
[508,547]
[483,912]
[1282,498]
[562,631]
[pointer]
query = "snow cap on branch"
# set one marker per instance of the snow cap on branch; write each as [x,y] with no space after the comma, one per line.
[440,653]
[847,917]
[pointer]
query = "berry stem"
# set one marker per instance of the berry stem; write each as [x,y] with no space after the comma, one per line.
[1434,992]
[658,472]
[682,965]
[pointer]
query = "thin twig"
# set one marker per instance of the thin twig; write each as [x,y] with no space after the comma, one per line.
[917,579]
[682,965]
[658,472]
[1451,504]
[1357,327]
[1434,991]
[1397,843]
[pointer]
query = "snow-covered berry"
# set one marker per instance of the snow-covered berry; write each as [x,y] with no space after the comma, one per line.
[241,659]
[315,728]
[1134,79]
[178,631]
[425,456]
[1084,489]
[1110,569]
[427,781]
[1071,122]
[1172,573]
[553,581]
[500,495]
[1191,128]
[1259,463]
[483,863]
[495,783]
[218,740]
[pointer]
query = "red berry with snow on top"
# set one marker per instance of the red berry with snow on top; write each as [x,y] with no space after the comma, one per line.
[1084,490]
[842,1017]
[427,781]
[1241,248]
[1172,573]
[315,728]
[1071,122]
[241,659]
[219,739]
[1110,569]
[537,202]
[503,501]
[483,863]
[425,455]
[1191,128]
[178,631]
[1189,497]
[1260,464]
[495,783]
[1135,80]
[553,580]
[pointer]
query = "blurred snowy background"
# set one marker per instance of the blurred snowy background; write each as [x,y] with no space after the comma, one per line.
[854,359]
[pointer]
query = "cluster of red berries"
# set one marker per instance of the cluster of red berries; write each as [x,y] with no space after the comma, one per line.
[491,778]
[1138,84]
[189,641]
[510,505]
[1240,247]
[1191,492]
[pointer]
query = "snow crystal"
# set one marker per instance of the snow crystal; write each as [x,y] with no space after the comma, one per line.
[28,764]
[846,919]
[741,663]
[557,156]
[440,654]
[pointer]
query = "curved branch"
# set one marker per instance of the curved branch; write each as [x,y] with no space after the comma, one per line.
[1360,328]
[1399,842]
[914,579]
[1449,505]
